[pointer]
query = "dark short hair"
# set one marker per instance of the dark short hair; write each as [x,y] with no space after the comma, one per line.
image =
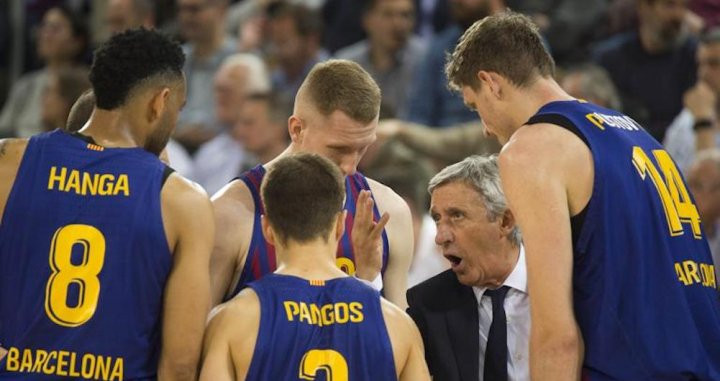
[302,195]
[345,86]
[130,59]
[507,43]
[72,82]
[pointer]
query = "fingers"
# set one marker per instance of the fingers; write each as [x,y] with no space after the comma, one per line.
[380,225]
[364,216]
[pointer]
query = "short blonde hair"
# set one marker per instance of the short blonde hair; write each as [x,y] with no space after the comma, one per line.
[345,86]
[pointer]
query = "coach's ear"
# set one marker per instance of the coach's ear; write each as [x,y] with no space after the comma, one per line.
[267,230]
[296,129]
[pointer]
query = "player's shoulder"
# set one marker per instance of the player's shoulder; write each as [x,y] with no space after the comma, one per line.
[238,313]
[12,149]
[387,198]
[178,189]
[537,143]
[397,321]
[234,203]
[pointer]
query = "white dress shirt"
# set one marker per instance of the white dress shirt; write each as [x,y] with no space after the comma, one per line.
[517,313]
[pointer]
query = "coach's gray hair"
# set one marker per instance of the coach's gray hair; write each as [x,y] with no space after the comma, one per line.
[480,172]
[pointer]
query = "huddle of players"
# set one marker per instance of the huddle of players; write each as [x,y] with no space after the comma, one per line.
[122,293]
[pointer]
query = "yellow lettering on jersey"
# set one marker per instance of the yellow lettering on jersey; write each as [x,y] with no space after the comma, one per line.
[690,272]
[64,363]
[73,182]
[57,178]
[122,186]
[305,313]
[291,309]
[346,265]
[26,364]
[40,357]
[595,119]
[88,184]
[324,315]
[356,314]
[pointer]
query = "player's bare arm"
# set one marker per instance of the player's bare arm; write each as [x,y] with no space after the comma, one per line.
[189,226]
[400,238]
[11,153]
[234,217]
[230,338]
[406,342]
[550,162]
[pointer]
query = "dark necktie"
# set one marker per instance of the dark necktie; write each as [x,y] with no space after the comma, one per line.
[496,350]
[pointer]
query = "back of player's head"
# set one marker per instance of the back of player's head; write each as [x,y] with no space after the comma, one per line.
[130,60]
[303,194]
[342,85]
[508,44]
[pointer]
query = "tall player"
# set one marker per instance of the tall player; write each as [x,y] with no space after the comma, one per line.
[620,273]
[335,115]
[104,252]
[309,319]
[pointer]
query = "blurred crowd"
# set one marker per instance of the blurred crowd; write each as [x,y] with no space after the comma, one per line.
[656,60]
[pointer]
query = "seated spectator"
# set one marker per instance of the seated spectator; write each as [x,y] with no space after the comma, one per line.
[62,41]
[390,53]
[294,35]
[431,102]
[475,318]
[223,157]
[128,14]
[653,65]
[63,88]
[704,182]
[591,83]
[262,127]
[567,25]
[696,127]
[202,24]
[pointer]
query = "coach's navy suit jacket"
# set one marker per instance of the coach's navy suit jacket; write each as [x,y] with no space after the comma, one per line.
[446,312]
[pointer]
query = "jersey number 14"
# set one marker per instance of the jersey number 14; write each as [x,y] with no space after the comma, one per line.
[674,196]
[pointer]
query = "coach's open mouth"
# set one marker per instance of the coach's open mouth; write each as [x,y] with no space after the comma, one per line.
[454,260]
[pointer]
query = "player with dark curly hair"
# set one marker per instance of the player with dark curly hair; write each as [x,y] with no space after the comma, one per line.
[101,245]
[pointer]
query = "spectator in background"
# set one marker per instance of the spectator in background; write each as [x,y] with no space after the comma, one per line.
[222,158]
[63,88]
[202,24]
[696,127]
[262,126]
[654,65]
[295,33]
[62,42]
[129,14]
[593,84]
[704,182]
[431,103]
[391,53]
[567,25]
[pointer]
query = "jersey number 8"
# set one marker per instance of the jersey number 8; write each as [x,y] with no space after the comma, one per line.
[83,275]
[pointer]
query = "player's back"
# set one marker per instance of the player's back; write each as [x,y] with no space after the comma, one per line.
[83,262]
[645,295]
[310,329]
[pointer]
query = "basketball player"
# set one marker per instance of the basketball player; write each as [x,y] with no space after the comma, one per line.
[104,251]
[309,317]
[335,115]
[619,270]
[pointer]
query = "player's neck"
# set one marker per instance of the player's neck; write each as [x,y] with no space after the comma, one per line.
[291,149]
[540,93]
[311,260]
[110,128]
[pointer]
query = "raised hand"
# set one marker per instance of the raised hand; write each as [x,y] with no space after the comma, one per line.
[367,238]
